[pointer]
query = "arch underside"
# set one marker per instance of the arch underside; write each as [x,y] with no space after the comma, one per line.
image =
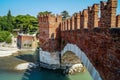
[82,56]
[70,58]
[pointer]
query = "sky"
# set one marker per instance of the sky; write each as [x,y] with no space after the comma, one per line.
[32,7]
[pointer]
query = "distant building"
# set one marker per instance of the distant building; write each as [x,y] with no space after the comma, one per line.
[26,41]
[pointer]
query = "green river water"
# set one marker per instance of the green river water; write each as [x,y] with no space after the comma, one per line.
[7,72]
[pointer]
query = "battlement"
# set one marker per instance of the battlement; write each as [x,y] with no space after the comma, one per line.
[49,18]
[93,16]
[106,8]
[89,19]
[118,21]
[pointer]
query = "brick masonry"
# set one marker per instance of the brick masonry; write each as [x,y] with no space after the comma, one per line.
[25,41]
[49,32]
[118,21]
[98,37]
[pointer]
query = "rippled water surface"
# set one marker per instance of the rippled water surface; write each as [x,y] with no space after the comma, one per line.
[7,71]
[41,75]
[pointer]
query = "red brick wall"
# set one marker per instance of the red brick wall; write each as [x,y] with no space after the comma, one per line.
[101,48]
[100,42]
[97,37]
[25,41]
[93,16]
[48,29]
[108,13]
[118,21]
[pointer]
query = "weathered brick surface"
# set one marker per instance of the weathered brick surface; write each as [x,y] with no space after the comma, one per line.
[108,13]
[68,24]
[101,48]
[93,16]
[25,41]
[84,19]
[118,21]
[97,37]
[49,29]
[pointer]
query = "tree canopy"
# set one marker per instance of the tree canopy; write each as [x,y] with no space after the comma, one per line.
[44,12]
[65,14]
[26,23]
[5,36]
[6,22]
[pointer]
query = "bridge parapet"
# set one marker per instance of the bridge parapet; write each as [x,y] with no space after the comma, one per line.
[108,14]
[93,16]
[88,18]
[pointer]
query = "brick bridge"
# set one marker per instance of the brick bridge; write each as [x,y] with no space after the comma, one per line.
[98,37]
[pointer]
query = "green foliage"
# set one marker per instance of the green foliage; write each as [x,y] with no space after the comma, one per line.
[6,22]
[5,36]
[9,21]
[9,39]
[44,12]
[3,23]
[65,14]
[28,45]
[26,23]
[24,44]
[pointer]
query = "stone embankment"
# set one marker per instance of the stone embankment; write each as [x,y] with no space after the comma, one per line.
[24,66]
[6,51]
[76,68]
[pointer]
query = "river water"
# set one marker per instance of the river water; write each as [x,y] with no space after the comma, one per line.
[7,71]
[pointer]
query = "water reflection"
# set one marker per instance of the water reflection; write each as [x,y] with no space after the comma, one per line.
[43,74]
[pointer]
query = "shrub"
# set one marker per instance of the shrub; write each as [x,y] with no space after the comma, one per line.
[24,44]
[5,36]
[9,39]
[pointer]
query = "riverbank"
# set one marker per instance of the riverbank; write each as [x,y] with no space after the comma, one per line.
[13,59]
[9,63]
[24,66]
[7,51]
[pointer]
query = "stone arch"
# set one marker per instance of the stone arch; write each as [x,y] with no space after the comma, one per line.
[75,49]
[70,58]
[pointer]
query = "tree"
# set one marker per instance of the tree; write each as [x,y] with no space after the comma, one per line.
[26,23]
[5,36]
[64,14]
[9,21]
[45,12]
[6,22]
